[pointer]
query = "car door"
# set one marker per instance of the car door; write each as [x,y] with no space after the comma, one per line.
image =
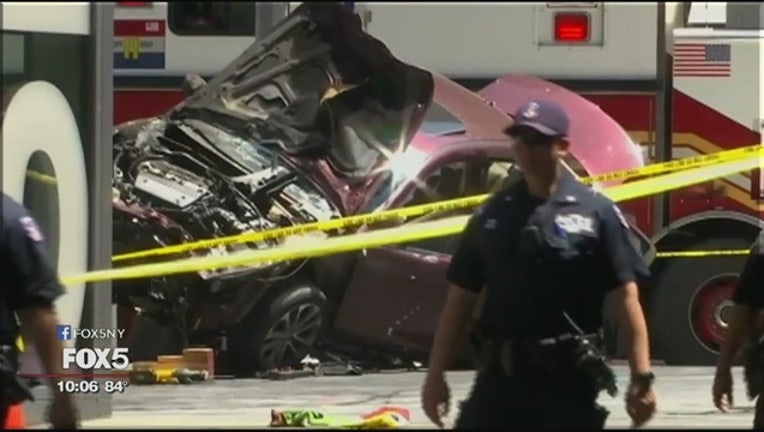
[396,293]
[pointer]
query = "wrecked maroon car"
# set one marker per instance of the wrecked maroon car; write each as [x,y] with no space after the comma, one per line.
[298,129]
[317,121]
[394,294]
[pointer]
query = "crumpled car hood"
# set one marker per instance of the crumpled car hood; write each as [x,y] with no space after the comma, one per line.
[319,83]
[597,141]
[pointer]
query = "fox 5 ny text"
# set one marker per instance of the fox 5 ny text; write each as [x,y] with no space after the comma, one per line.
[67,332]
[96,358]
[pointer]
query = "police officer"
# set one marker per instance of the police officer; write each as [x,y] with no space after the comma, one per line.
[29,288]
[749,302]
[546,252]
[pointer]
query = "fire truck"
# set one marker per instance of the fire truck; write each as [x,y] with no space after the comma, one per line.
[677,76]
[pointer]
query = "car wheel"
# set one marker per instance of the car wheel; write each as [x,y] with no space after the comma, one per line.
[691,308]
[280,331]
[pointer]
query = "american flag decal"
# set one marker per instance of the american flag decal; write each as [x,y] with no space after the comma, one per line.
[702,60]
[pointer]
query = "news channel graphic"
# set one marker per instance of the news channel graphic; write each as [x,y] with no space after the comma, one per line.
[92,359]
[89,370]
[92,370]
[67,332]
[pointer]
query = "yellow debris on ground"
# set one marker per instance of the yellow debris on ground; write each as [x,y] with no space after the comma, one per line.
[194,365]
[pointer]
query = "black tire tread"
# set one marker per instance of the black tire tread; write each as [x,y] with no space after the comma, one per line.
[245,339]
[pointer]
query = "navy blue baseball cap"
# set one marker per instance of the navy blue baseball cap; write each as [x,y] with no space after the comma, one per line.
[546,117]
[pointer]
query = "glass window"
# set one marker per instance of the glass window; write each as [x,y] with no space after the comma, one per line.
[457,180]
[445,183]
[465,178]
[439,121]
[212,18]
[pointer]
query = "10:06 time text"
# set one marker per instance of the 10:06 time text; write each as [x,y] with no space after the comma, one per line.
[72,386]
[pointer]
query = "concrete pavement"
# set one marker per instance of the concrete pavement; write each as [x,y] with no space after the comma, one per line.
[684,400]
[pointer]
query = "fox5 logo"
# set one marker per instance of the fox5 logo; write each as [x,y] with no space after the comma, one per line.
[96,358]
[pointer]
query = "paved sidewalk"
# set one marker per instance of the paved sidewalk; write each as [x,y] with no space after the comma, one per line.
[684,397]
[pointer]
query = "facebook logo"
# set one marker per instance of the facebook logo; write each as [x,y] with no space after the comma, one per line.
[64,332]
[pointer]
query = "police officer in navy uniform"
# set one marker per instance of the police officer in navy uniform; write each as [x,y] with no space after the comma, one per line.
[548,253]
[745,321]
[29,288]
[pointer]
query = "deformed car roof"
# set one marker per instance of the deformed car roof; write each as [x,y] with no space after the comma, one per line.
[318,83]
[598,142]
[321,52]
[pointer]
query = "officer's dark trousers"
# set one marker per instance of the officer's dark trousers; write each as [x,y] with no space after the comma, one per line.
[3,414]
[758,416]
[539,402]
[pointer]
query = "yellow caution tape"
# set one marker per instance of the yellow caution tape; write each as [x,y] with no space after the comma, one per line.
[678,164]
[413,232]
[329,225]
[407,212]
[702,254]
[359,220]
[42,178]
[654,169]
[680,179]
[289,251]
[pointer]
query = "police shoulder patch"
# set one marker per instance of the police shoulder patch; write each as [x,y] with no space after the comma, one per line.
[31,229]
[621,217]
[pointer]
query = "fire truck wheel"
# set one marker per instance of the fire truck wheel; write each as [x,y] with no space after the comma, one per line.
[690,308]
[280,331]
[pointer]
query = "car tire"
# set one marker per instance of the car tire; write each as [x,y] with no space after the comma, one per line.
[280,331]
[675,337]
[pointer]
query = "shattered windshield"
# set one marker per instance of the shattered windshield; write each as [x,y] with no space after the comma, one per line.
[243,151]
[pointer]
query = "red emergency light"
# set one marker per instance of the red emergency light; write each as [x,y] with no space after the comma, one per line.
[571,27]
[133,4]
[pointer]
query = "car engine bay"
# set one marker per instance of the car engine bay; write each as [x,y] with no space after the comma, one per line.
[205,182]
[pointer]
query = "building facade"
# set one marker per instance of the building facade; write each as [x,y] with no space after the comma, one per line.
[56,152]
